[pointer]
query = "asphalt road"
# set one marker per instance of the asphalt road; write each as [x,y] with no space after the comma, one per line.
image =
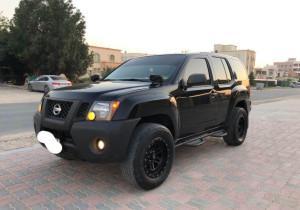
[269,94]
[17,117]
[17,107]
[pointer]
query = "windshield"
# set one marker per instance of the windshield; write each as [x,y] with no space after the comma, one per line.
[58,78]
[140,69]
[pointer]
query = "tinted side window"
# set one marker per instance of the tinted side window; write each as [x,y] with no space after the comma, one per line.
[239,69]
[40,79]
[226,69]
[46,79]
[219,71]
[197,66]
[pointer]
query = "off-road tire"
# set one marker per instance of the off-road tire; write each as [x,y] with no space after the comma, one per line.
[134,166]
[234,137]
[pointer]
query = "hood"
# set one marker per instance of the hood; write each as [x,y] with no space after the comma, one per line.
[90,92]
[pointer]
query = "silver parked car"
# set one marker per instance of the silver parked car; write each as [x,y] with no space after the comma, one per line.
[48,82]
[295,85]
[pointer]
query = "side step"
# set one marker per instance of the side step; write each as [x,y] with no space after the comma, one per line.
[195,143]
[220,134]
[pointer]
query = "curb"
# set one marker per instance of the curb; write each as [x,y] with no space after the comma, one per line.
[20,150]
[14,86]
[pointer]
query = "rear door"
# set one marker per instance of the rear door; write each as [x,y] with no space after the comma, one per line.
[43,83]
[197,105]
[223,85]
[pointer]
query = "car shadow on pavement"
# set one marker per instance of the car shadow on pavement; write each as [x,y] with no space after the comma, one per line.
[100,176]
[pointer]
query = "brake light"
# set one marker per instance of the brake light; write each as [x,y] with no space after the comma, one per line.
[69,83]
[55,83]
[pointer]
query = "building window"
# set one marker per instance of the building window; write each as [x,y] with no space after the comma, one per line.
[112,58]
[96,58]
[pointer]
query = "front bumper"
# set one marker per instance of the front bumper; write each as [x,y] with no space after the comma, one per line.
[80,141]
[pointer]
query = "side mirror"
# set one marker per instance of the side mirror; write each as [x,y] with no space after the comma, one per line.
[95,78]
[196,79]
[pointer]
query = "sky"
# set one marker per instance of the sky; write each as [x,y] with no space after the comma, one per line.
[269,27]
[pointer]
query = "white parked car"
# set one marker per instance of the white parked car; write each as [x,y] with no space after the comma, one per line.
[295,85]
[47,83]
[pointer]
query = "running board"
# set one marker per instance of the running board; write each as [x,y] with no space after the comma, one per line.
[195,143]
[220,134]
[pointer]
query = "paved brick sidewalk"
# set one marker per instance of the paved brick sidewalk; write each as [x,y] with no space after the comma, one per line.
[263,173]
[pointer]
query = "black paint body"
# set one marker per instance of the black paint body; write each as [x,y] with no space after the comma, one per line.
[188,112]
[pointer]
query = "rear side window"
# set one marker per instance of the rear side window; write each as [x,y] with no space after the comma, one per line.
[239,69]
[226,69]
[197,66]
[58,78]
[221,75]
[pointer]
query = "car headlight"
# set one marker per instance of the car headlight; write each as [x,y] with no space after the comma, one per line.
[102,110]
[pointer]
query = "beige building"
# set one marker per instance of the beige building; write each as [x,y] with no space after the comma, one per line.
[127,56]
[268,72]
[292,66]
[246,56]
[104,57]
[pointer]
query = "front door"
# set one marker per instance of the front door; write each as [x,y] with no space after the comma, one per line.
[36,83]
[197,105]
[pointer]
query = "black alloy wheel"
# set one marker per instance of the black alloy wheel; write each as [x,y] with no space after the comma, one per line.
[156,157]
[241,127]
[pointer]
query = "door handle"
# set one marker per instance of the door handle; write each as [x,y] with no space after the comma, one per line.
[213,94]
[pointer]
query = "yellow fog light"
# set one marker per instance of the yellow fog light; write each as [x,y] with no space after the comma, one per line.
[40,107]
[101,145]
[91,115]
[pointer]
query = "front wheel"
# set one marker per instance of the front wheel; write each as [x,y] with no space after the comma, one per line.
[30,87]
[237,131]
[150,156]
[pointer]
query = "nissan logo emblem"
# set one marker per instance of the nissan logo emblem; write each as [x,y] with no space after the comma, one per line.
[56,109]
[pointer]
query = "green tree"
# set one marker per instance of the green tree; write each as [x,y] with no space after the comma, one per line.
[4,22]
[251,78]
[48,36]
[107,70]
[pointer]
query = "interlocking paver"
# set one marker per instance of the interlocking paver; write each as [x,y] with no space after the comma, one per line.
[198,203]
[264,173]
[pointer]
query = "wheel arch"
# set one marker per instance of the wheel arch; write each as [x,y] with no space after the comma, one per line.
[153,108]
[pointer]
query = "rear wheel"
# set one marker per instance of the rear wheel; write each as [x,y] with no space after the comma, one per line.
[46,89]
[150,156]
[237,131]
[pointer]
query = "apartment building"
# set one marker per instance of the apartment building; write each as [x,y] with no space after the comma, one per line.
[104,57]
[246,56]
[127,56]
[291,66]
[268,72]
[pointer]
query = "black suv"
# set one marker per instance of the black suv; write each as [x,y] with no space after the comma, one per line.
[145,108]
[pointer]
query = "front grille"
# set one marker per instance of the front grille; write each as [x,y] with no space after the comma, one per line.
[83,110]
[65,108]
